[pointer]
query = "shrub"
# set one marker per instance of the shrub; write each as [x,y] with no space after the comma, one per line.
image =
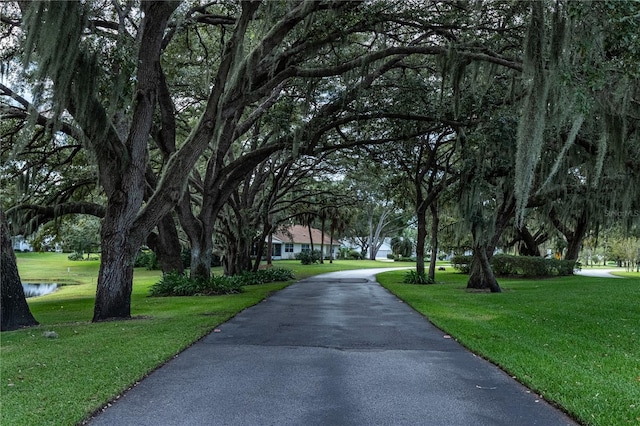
[76,256]
[309,257]
[177,284]
[413,277]
[220,284]
[147,259]
[185,255]
[461,263]
[264,276]
[391,256]
[503,265]
[355,255]
[520,266]
[152,262]
[277,274]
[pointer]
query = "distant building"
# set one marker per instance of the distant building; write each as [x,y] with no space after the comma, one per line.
[383,251]
[20,243]
[295,239]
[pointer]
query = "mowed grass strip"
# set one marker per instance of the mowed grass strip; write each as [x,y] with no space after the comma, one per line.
[61,381]
[574,340]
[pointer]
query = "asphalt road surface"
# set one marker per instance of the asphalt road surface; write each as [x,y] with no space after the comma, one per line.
[337,349]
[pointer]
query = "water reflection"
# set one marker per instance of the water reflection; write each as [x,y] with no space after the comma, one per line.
[37,289]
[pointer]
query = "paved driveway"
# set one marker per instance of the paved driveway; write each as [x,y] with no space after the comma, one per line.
[599,273]
[336,349]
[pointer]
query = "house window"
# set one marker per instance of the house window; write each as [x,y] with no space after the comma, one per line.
[306,248]
[288,248]
[277,250]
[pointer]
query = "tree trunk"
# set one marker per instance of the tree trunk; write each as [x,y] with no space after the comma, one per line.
[481,275]
[166,245]
[331,245]
[574,237]
[115,279]
[269,256]
[122,174]
[322,226]
[529,244]
[420,240]
[14,310]
[201,257]
[434,241]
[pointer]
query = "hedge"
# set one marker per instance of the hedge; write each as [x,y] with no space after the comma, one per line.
[520,266]
[177,284]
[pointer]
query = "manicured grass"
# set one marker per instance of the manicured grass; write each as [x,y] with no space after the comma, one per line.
[61,381]
[575,340]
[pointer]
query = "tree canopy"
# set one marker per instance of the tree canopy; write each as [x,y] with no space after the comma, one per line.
[211,124]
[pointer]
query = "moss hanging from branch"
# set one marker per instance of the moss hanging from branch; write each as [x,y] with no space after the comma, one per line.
[539,74]
[54,37]
[573,133]
[530,134]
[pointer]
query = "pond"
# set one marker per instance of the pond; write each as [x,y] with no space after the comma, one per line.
[38,289]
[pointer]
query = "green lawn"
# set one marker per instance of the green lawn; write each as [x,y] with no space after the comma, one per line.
[61,381]
[575,340]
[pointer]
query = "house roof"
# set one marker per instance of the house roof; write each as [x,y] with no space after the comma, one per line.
[300,234]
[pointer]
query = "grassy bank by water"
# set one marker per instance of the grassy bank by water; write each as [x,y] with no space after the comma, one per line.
[60,381]
[575,340]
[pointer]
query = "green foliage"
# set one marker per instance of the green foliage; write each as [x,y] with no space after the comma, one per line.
[308,257]
[147,259]
[75,256]
[413,277]
[185,255]
[354,255]
[264,276]
[402,246]
[462,263]
[177,284]
[521,266]
[276,274]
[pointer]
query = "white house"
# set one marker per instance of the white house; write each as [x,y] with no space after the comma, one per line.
[383,250]
[296,239]
[20,243]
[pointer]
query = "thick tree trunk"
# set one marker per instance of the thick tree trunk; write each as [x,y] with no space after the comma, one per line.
[574,237]
[122,174]
[166,245]
[115,278]
[529,244]
[481,275]
[574,240]
[14,310]
[201,257]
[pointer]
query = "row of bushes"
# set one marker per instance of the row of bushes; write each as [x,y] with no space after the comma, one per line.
[80,256]
[521,266]
[311,257]
[399,258]
[148,259]
[177,284]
